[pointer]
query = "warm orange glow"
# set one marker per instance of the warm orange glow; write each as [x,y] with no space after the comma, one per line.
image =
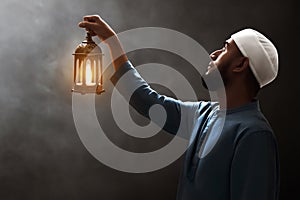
[89,74]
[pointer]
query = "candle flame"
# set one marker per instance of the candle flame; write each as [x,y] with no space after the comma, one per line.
[88,74]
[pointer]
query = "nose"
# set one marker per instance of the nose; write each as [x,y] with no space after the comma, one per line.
[214,55]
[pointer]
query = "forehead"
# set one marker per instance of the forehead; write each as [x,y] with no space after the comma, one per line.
[231,45]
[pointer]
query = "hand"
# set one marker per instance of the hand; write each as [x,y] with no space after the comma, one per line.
[97,26]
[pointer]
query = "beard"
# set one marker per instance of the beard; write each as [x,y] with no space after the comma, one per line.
[215,79]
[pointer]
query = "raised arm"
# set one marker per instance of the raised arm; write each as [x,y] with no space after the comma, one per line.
[135,90]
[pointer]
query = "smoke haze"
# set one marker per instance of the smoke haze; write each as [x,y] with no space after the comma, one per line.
[41,155]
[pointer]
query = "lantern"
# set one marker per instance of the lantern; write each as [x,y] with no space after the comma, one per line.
[88,67]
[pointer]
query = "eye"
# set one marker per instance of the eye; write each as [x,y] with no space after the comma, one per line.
[225,46]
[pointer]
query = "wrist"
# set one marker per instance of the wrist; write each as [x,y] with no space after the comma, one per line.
[116,50]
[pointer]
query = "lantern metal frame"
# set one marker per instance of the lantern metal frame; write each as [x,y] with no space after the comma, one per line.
[88,55]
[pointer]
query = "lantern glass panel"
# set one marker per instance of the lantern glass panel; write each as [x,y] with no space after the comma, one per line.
[88,67]
[78,73]
[88,73]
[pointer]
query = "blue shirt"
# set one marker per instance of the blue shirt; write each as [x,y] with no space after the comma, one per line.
[232,155]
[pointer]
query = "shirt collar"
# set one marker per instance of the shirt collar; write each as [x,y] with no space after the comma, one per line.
[254,105]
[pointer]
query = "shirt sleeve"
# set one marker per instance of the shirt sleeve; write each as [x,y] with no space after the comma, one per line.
[255,168]
[180,115]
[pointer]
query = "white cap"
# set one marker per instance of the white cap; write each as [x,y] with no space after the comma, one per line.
[262,54]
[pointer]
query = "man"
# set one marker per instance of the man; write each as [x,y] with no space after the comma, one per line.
[241,160]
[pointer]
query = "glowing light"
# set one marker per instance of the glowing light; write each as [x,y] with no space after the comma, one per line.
[87,71]
[89,74]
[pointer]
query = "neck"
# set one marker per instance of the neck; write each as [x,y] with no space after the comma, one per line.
[235,97]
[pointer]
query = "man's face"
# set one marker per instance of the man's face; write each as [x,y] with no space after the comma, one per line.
[223,61]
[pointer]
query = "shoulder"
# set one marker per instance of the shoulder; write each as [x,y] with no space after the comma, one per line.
[257,139]
[255,123]
[251,127]
[248,121]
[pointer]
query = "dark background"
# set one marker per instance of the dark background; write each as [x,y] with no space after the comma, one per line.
[41,155]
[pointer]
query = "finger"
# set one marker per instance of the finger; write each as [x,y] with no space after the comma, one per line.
[89,26]
[86,24]
[92,18]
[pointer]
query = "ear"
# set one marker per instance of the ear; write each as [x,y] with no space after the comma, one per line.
[243,64]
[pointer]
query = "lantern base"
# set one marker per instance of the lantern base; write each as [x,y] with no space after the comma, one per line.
[85,89]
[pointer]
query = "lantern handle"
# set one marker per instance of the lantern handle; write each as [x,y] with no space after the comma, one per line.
[88,37]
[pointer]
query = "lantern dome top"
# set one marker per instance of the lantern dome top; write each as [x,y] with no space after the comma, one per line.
[88,46]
